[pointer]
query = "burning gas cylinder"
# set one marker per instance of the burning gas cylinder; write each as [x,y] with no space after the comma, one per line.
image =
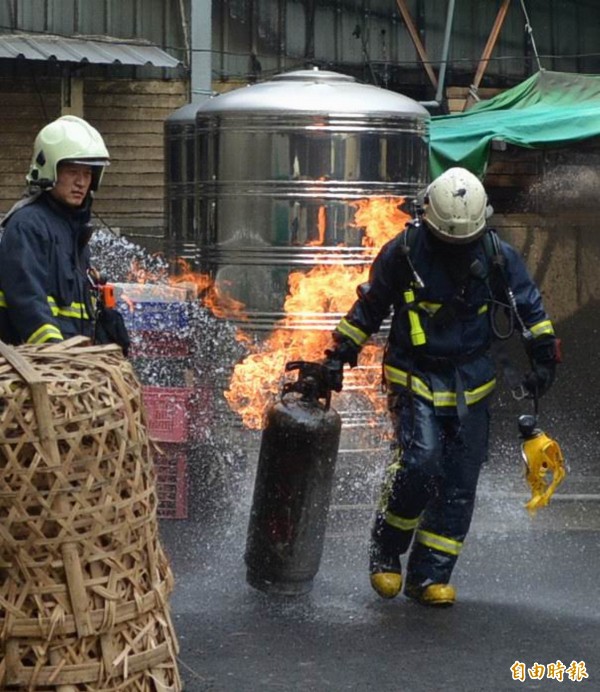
[293,485]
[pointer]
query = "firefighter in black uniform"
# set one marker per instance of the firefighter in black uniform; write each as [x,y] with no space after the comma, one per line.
[437,276]
[45,289]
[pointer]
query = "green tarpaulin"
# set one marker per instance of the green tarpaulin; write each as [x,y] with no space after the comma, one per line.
[548,109]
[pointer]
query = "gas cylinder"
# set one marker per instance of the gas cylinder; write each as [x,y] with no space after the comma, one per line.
[292,490]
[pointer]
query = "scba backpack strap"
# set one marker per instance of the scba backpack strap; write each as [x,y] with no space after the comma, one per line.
[29,198]
[492,248]
[496,259]
[493,274]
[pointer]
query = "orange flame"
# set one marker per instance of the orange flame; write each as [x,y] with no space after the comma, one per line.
[141,275]
[321,226]
[220,304]
[330,290]
[201,286]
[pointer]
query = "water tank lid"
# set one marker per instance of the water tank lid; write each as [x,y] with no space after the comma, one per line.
[314,75]
[185,114]
[314,92]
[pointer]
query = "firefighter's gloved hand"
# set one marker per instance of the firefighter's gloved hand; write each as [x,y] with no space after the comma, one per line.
[543,356]
[345,351]
[335,374]
[540,379]
[111,329]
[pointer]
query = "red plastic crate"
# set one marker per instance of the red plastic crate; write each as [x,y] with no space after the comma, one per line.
[171,467]
[167,410]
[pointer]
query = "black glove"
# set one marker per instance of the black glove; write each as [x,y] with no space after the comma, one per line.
[543,356]
[540,379]
[335,374]
[344,351]
[111,329]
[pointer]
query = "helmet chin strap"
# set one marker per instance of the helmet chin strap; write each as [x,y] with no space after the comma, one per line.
[448,244]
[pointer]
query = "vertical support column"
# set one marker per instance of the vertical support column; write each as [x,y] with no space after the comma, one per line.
[282,27]
[71,93]
[309,23]
[201,49]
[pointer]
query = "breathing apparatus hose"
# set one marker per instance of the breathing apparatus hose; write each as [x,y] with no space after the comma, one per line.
[495,307]
[512,315]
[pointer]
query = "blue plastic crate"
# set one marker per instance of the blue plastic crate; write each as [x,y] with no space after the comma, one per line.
[155,316]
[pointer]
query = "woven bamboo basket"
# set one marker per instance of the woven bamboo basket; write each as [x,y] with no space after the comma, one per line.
[84,581]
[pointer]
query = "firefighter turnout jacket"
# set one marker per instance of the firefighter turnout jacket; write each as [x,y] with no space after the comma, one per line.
[44,257]
[441,296]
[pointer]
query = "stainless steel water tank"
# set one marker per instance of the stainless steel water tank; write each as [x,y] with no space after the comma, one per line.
[277,166]
[180,182]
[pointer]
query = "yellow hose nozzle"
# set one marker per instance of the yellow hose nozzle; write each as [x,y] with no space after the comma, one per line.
[544,468]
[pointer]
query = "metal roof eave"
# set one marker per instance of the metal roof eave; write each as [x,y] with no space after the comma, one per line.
[99,51]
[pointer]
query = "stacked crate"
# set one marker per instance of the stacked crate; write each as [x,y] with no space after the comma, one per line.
[168,411]
[158,321]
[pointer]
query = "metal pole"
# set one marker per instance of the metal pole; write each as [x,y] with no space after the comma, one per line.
[201,50]
[529,30]
[186,32]
[445,51]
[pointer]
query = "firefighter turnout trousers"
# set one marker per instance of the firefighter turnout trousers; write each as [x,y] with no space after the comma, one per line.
[428,496]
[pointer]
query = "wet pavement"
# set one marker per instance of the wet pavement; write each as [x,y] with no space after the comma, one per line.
[528,593]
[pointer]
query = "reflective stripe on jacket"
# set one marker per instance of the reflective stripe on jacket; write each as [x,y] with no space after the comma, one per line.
[44,290]
[440,334]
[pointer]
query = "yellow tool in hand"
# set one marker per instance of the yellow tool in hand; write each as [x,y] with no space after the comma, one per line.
[544,463]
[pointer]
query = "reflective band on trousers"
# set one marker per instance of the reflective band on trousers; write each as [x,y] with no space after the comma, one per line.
[437,542]
[401,522]
[472,396]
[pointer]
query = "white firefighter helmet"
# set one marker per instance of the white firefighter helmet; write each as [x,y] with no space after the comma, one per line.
[455,206]
[68,138]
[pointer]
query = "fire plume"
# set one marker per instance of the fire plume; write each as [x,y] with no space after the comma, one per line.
[324,290]
[196,286]
[382,218]
[220,304]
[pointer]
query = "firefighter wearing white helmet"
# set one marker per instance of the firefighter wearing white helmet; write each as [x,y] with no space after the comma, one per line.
[455,206]
[45,289]
[68,138]
[446,275]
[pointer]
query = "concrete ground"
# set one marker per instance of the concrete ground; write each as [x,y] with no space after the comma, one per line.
[528,593]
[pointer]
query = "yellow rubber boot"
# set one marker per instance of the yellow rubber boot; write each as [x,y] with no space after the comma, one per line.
[387,584]
[436,595]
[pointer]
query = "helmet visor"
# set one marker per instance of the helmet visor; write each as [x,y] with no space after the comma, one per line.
[87,162]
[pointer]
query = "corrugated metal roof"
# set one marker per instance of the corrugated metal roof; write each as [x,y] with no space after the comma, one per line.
[83,50]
